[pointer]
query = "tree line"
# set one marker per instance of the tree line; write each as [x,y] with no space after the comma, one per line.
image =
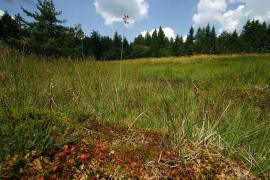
[46,35]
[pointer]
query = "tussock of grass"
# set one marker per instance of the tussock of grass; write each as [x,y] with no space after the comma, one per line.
[218,102]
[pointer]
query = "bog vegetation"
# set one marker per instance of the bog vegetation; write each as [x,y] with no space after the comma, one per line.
[208,115]
[217,102]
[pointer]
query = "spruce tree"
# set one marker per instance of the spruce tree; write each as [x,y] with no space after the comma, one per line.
[115,51]
[207,42]
[189,44]
[267,42]
[154,45]
[98,46]
[161,38]
[234,42]
[10,29]
[148,39]
[178,46]
[199,41]
[139,40]
[213,41]
[127,49]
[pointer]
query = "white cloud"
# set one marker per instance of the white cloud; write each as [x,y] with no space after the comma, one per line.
[2,13]
[233,19]
[263,18]
[169,32]
[218,13]
[185,38]
[113,10]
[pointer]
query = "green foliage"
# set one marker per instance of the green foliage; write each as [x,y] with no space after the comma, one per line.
[228,43]
[140,51]
[9,27]
[26,130]
[189,44]
[155,45]
[255,37]
[205,40]
[46,35]
[178,46]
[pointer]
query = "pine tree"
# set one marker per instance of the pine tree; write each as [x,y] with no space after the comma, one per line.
[47,35]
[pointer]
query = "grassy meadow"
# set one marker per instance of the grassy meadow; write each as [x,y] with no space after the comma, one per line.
[216,102]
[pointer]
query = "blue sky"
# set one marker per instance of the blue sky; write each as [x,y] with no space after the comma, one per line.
[176,15]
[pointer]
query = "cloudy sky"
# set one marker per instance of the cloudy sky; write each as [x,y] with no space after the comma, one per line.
[176,16]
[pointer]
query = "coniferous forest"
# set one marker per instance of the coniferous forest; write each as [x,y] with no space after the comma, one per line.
[46,35]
